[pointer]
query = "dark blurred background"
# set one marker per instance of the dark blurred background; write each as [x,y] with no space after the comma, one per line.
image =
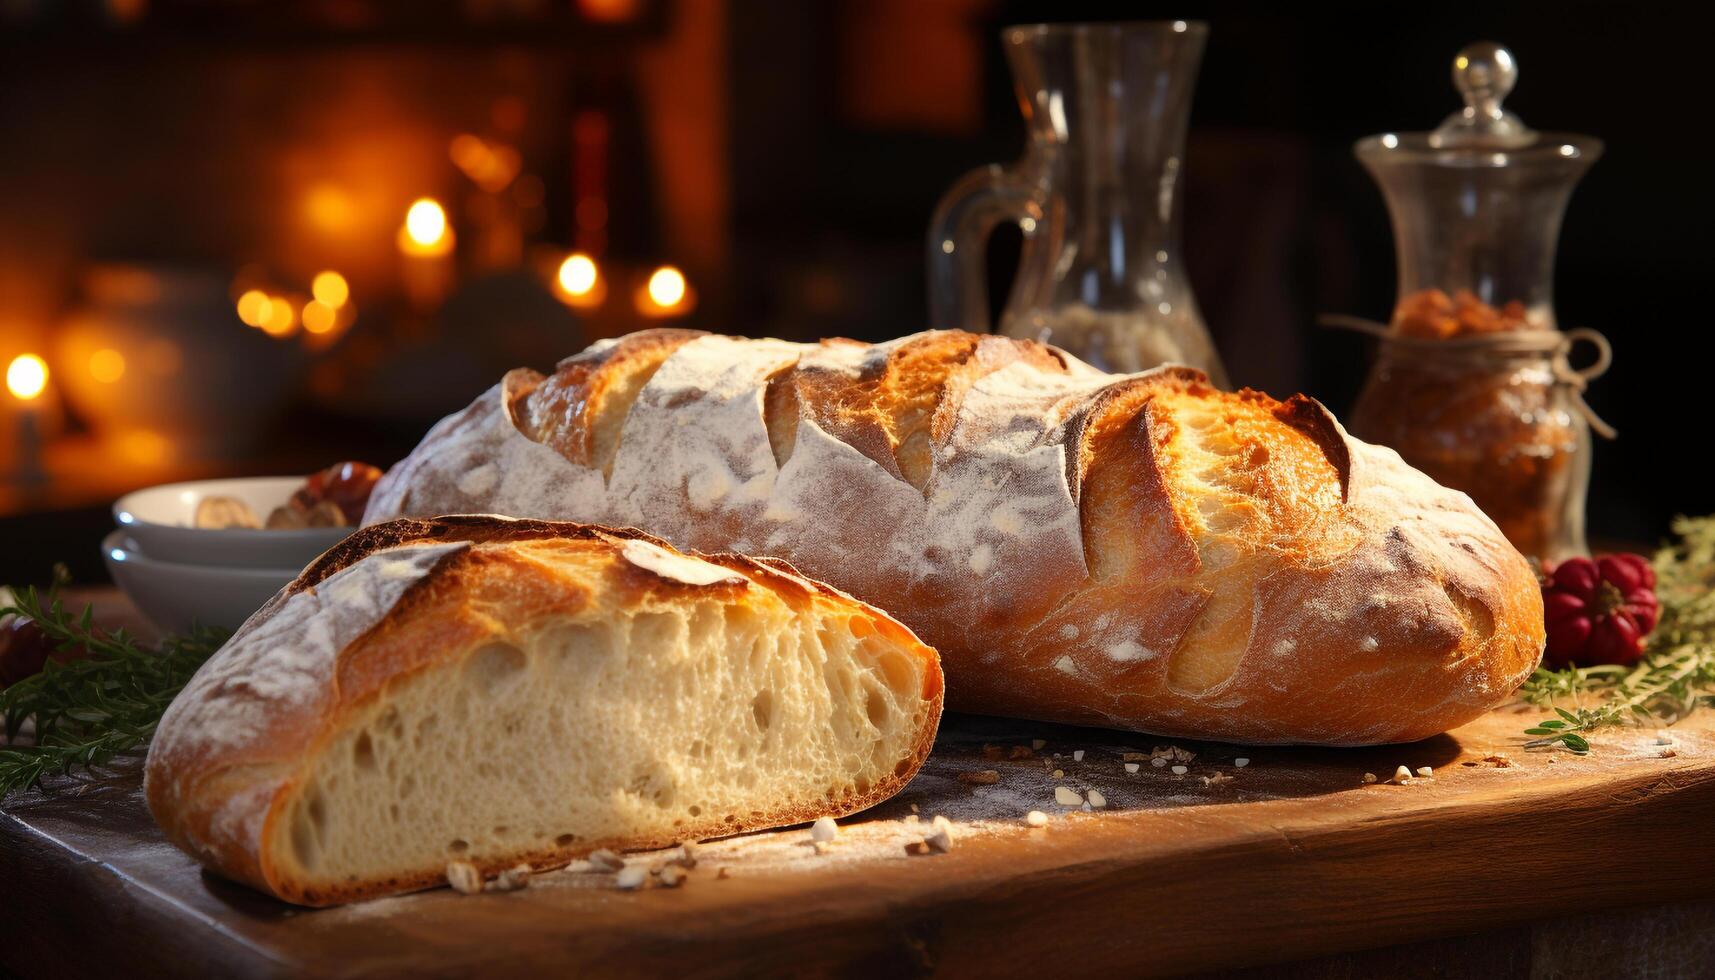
[175,174]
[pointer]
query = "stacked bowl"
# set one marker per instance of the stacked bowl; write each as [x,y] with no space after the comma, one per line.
[181,576]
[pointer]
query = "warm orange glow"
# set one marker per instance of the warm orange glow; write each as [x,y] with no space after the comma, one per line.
[330,289]
[145,448]
[426,222]
[667,287]
[282,319]
[329,208]
[578,274]
[253,307]
[107,365]
[26,376]
[319,317]
[609,11]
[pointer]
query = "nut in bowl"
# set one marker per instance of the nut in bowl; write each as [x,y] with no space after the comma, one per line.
[211,552]
[254,522]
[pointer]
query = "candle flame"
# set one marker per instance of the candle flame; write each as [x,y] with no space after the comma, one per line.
[578,274]
[254,307]
[319,317]
[330,289]
[26,376]
[426,222]
[667,286]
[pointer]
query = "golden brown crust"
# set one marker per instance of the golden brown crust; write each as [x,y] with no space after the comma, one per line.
[223,805]
[1139,551]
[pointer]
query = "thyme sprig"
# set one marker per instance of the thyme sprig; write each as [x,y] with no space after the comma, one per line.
[1676,675]
[86,712]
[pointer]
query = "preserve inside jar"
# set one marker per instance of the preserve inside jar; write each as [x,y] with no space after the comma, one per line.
[1491,415]
[1472,383]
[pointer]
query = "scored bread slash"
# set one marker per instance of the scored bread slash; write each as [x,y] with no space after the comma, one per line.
[604,859]
[1036,818]
[631,877]
[1067,797]
[512,879]
[980,777]
[463,877]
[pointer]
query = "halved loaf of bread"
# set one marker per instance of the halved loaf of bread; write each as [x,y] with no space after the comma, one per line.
[499,692]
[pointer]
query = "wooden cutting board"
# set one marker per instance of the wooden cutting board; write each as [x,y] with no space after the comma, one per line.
[1291,856]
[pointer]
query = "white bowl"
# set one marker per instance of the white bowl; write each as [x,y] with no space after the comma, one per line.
[176,596]
[160,520]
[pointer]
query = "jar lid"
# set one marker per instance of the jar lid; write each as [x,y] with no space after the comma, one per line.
[1483,133]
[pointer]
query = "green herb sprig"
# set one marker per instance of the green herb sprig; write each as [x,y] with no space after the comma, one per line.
[1676,675]
[89,711]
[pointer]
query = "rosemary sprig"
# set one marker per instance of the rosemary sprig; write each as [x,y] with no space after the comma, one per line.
[86,712]
[1677,673]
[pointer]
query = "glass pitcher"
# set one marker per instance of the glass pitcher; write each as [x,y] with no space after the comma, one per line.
[1096,195]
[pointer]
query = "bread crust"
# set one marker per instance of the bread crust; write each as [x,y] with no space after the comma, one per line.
[235,747]
[1139,551]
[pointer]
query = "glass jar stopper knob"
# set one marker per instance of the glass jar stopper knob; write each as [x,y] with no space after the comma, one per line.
[1483,73]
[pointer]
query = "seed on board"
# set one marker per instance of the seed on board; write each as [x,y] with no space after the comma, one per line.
[672,876]
[1078,755]
[1132,767]
[1241,763]
[1059,774]
[1402,775]
[1066,796]
[1181,770]
[940,839]
[1159,761]
[1669,752]
[605,860]
[464,877]
[631,877]
[1036,818]
[1425,771]
[512,879]
[687,856]
[824,830]
[1369,777]
[1097,800]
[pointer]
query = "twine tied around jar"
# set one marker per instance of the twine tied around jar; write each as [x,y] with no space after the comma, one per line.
[1555,345]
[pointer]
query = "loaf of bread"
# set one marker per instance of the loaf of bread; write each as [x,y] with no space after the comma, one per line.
[1139,551]
[497,692]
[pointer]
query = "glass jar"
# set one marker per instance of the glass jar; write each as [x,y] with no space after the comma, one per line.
[1473,384]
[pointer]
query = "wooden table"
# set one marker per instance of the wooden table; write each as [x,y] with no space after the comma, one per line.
[1291,859]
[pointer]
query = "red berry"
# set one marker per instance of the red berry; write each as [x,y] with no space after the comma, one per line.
[1599,611]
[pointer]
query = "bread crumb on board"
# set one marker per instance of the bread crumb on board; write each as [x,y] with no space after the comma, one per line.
[1181,770]
[1240,763]
[824,830]
[604,860]
[1097,800]
[672,876]
[1369,777]
[1078,755]
[631,877]
[1066,796]
[1401,776]
[1132,767]
[1425,771]
[1036,818]
[512,879]
[979,777]
[463,877]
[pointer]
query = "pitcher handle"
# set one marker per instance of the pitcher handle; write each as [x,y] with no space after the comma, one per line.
[958,235]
